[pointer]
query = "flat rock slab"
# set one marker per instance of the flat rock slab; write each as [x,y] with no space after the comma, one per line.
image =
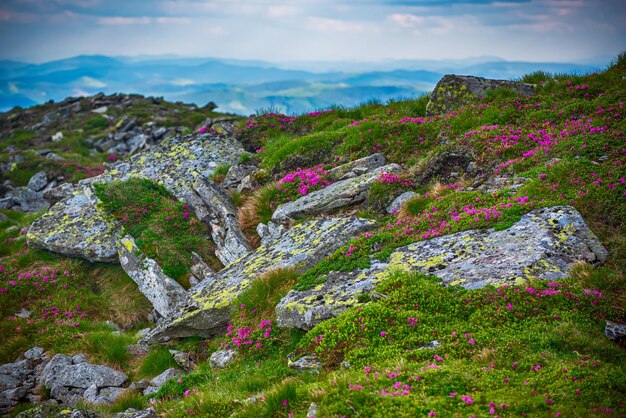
[454,91]
[544,244]
[77,227]
[339,194]
[206,310]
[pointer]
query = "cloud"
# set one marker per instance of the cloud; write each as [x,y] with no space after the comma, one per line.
[92,83]
[282,11]
[143,20]
[321,24]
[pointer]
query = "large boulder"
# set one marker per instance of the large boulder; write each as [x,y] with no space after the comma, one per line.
[83,375]
[342,193]
[206,310]
[543,245]
[162,291]
[454,91]
[77,227]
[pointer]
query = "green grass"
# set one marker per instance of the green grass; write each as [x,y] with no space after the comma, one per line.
[165,229]
[156,362]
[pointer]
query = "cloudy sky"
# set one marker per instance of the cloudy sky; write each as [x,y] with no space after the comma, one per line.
[329,30]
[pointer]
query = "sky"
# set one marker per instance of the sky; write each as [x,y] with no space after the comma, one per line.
[315,30]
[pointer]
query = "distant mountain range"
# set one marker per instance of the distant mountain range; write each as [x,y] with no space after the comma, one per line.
[244,87]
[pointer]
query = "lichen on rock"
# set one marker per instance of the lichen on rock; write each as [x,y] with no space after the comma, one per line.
[206,310]
[543,245]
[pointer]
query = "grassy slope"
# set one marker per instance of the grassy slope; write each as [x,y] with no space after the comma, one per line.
[537,350]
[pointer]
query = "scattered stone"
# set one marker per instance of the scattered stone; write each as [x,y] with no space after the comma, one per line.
[140,385]
[358,167]
[206,311]
[342,193]
[58,137]
[430,346]
[183,360]
[100,110]
[222,358]
[454,91]
[399,201]
[79,358]
[83,375]
[169,374]
[56,194]
[23,313]
[544,245]
[38,181]
[133,413]
[313,410]
[615,331]
[162,291]
[306,363]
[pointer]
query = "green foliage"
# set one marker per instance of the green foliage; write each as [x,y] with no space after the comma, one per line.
[265,292]
[108,347]
[156,362]
[164,228]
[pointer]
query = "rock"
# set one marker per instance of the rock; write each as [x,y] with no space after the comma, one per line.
[454,91]
[430,346]
[270,232]
[53,156]
[136,143]
[337,195]
[133,413]
[183,360]
[163,292]
[399,201]
[358,167]
[8,382]
[169,374]
[615,331]
[77,227]
[213,207]
[237,173]
[138,350]
[67,395]
[444,166]
[58,137]
[23,199]
[38,181]
[140,385]
[59,193]
[3,217]
[222,358]
[79,358]
[18,370]
[35,354]
[313,410]
[100,110]
[150,390]
[206,310]
[306,363]
[543,245]
[53,368]
[23,313]
[83,375]
[248,184]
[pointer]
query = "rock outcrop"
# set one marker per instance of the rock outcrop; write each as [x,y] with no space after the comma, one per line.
[454,91]
[206,310]
[346,192]
[76,226]
[544,244]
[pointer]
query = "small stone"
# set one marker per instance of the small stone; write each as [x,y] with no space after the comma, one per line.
[222,358]
[57,137]
[313,410]
[140,385]
[142,332]
[150,390]
[38,181]
[133,413]
[432,345]
[167,375]
[399,201]
[35,354]
[306,363]
[23,313]
[79,358]
[615,331]
[345,364]
[112,325]
[183,359]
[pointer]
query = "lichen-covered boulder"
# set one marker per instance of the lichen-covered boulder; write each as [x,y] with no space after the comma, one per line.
[453,91]
[342,193]
[206,310]
[77,227]
[358,167]
[162,291]
[544,244]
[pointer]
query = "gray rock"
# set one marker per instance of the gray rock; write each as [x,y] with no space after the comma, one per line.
[136,143]
[248,184]
[358,167]
[183,359]
[454,91]
[67,395]
[38,181]
[76,226]
[342,193]
[206,310]
[35,354]
[169,374]
[19,369]
[23,199]
[53,368]
[162,291]
[237,173]
[270,232]
[58,137]
[23,313]
[430,346]
[83,375]
[214,208]
[133,413]
[79,358]
[110,395]
[150,390]
[8,382]
[59,193]
[222,358]
[313,410]
[615,331]
[306,363]
[140,385]
[399,201]
[543,245]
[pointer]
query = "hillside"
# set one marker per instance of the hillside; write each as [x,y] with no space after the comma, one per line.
[460,254]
